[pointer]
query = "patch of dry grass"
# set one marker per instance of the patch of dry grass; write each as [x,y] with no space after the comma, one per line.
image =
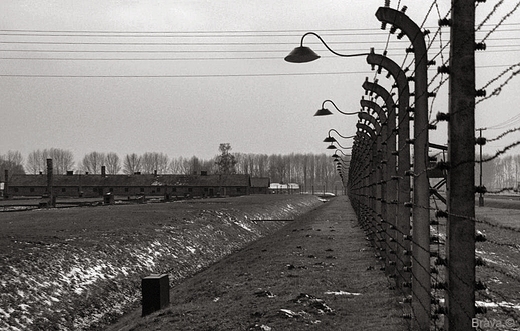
[71,269]
[284,281]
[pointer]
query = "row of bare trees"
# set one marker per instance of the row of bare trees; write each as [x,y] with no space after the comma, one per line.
[308,170]
[499,173]
[11,161]
[62,160]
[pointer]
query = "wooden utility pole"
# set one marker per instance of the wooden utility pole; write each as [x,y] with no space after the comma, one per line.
[481,194]
[460,230]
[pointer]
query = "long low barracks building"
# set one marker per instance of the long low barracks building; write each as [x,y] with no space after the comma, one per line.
[88,185]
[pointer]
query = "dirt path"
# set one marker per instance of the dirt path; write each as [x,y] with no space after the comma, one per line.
[317,273]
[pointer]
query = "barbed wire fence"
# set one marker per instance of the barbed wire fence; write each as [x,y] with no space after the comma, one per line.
[396,246]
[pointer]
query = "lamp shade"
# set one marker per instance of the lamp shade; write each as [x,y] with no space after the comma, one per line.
[301,54]
[323,112]
[329,139]
[331,146]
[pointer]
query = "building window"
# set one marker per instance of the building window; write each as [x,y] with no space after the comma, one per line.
[205,189]
[142,189]
[190,190]
[94,189]
[16,189]
[174,189]
[63,189]
[111,189]
[239,190]
[31,189]
[158,190]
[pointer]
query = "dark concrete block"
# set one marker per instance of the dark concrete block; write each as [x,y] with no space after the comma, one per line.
[156,293]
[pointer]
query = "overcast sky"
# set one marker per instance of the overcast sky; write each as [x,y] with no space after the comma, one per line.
[181,77]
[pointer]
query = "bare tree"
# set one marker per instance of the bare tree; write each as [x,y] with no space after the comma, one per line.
[176,165]
[35,162]
[161,163]
[147,161]
[62,160]
[192,165]
[262,161]
[113,163]
[153,161]
[277,168]
[93,161]
[226,162]
[132,164]
[12,161]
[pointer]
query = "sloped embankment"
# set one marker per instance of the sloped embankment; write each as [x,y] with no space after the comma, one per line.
[79,269]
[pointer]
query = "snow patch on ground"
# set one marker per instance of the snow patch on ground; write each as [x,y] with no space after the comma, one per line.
[503,304]
[49,287]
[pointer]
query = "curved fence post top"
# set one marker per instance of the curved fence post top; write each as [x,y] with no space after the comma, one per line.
[380,91]
[403,22]
[372,120]
[377,108]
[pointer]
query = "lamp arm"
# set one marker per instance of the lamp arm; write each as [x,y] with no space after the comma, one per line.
[343,112]
[330,49]
[339,150]
[344,137]
[343,146]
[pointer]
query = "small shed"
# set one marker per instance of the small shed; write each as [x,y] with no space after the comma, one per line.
[260,185]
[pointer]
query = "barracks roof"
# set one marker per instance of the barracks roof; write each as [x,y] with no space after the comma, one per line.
[130,180]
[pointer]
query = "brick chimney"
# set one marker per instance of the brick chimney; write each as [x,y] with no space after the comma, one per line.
[103,171]
[50,182]
[6,184]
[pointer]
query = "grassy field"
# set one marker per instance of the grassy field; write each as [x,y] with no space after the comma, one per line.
[499,222]
[316,273]
[80,268]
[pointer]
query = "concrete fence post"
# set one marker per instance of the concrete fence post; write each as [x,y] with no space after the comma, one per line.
[403,276]
[460,230]
[421,286]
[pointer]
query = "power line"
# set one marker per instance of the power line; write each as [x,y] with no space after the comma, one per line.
[169,43]
[220,50]
[187,32]
[510,122]
[335,33]
[230,32]
[178,35]
[186,76]
[278,58]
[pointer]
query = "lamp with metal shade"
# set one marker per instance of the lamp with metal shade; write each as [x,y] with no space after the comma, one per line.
[332,146]
[331,139]
[303,54]
[324,111]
